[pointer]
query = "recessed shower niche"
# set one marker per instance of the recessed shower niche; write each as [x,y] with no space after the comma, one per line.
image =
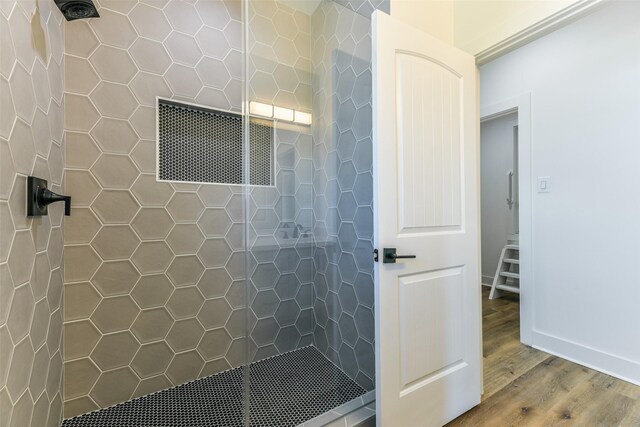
[203,145]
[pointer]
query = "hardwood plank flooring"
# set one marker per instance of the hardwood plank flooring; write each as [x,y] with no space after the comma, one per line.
[527,387]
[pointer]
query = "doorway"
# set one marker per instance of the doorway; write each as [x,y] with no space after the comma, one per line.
[506,193]
[506,233]
[499,204]
[500,251]
[505,180]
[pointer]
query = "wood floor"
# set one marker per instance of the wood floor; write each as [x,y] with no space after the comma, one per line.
[527,387]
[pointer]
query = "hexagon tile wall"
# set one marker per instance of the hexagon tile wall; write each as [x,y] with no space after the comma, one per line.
[154,290]
[31,143]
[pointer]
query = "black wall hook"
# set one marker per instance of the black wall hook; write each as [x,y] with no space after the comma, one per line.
[39,197]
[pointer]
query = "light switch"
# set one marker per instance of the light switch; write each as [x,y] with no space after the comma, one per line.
[544,184]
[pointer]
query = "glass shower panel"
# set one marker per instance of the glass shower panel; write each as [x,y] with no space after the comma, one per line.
[309,231]
[281,321]
[343,187]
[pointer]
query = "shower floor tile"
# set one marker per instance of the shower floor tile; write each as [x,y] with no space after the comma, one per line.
[286,390]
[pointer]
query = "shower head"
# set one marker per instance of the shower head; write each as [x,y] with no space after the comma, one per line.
[77,9]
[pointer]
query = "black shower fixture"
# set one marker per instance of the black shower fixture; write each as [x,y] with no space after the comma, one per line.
[77,9]
[39,197]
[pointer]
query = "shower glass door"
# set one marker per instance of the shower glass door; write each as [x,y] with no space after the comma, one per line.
[279,205]
[308,233]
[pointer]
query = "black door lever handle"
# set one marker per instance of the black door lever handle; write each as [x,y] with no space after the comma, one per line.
[389,256]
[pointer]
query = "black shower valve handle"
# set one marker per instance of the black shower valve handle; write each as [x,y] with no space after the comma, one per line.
[46,197]
[39,197]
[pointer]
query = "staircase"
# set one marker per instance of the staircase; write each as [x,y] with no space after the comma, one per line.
[507,276]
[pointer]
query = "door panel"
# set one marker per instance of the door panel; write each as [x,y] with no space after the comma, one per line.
[428,111]
[430,298]
[428,346]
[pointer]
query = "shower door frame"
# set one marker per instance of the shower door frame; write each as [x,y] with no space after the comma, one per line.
[246,199]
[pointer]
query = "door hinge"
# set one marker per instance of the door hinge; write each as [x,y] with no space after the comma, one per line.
[375,255]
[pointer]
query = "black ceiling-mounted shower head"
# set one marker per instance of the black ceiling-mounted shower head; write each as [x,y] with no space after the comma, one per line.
[77,9]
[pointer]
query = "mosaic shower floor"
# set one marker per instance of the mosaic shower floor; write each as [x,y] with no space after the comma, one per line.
[286,390]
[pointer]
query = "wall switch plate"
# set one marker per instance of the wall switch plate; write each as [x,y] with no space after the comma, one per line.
[544,184]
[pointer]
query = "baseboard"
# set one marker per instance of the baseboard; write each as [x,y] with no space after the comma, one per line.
[624,369]
[487,280]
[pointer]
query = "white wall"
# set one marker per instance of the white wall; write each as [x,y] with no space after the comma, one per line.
[480,24]
[496,159]
[584,81]
[474,25]
[434,17]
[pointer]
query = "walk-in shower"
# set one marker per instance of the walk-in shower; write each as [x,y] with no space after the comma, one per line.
[219,253]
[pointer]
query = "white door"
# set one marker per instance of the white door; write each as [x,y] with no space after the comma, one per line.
[428,324]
